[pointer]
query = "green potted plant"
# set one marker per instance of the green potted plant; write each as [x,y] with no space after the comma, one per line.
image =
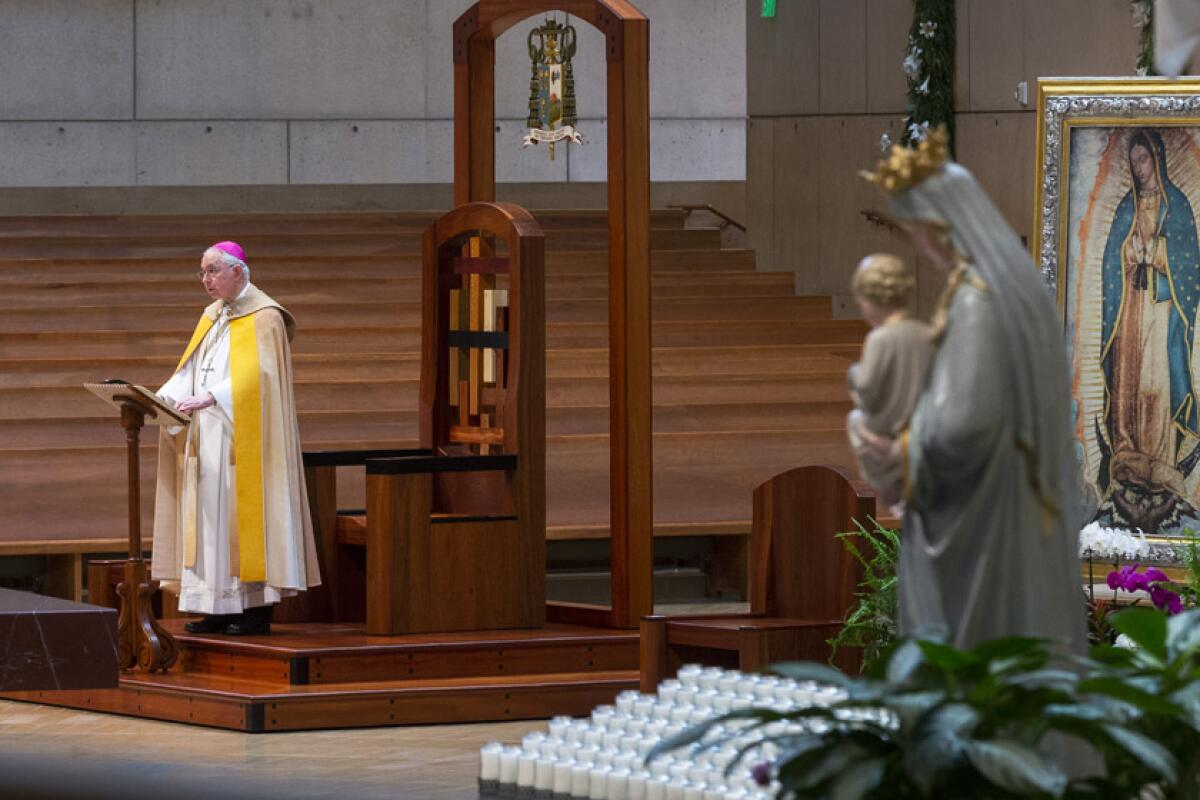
[930,720]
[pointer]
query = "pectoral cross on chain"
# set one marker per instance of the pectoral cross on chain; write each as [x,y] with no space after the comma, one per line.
[206,370]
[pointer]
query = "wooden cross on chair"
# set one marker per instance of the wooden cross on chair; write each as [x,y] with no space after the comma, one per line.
[478,327]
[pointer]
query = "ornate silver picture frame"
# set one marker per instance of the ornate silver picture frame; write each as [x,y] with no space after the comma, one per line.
[1115,235]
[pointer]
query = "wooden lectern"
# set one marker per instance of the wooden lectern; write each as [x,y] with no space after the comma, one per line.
[142,643]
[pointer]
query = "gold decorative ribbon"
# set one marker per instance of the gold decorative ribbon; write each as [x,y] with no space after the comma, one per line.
[247,444]
[197,337]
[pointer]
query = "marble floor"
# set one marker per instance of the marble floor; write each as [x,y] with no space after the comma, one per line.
[48,752]
[63,753]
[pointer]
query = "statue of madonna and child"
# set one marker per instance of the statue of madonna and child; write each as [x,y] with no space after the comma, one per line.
[965,422]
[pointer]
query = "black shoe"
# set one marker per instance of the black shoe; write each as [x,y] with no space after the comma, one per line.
[251,622]
[209,623]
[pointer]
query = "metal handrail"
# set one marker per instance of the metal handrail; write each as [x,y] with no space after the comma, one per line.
[688,208]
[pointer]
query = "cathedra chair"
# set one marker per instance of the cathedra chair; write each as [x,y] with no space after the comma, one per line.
[455,531]
[801,582]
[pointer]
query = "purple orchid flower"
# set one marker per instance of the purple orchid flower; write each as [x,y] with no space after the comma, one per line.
[1151,581]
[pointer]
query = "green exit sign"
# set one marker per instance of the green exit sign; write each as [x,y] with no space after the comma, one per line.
[768,8]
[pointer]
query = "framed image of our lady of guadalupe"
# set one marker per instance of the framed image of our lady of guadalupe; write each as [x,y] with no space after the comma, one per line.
[1115,234]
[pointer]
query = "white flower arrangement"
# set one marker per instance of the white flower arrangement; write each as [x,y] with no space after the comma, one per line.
[927,67]
[912,64]
[1104,543]
[918,131]
[1140,9]
[1142,12]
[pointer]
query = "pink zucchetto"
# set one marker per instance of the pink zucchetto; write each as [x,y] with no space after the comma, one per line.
[232,248]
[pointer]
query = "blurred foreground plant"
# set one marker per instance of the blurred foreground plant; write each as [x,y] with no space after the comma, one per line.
[994,721]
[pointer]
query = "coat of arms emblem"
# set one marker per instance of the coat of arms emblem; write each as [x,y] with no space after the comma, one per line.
[551,86]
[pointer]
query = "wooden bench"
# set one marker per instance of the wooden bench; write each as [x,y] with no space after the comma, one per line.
[801,578]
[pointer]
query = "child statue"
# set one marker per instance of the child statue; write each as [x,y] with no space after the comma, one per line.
[887,382]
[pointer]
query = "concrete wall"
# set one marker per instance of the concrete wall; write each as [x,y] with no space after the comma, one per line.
[824,83]
[275,92]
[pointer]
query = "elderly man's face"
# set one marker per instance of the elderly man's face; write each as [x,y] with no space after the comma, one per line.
[220,281]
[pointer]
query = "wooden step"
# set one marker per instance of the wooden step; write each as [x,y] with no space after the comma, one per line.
[703,334]
[319,655]
[293,269]
[591,362]
[706,477]
[703,482]
[154,370]
[187,290]
[715,360]
[400,394]
[699,389]
[708,417]
[138,317]
[251,708]
[297,223]
[331,245]
[344,395]
[391,339]
[22,433]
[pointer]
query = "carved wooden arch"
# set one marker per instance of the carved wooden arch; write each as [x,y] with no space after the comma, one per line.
[627,35]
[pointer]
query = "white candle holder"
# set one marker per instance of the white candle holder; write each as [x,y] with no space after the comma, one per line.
[675,791]
[618,785]
[668,689]
[489,766]
[637,785]
[598,783]
[526,769]
[561,784]
[709,677]
[509,765]
[580,779]
[543,775]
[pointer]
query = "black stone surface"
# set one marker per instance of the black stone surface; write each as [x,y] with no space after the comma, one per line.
[47,643]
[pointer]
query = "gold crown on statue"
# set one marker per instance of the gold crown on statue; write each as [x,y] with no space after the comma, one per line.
[905,167]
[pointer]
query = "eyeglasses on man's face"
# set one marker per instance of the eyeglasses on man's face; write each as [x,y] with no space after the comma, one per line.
[204,274]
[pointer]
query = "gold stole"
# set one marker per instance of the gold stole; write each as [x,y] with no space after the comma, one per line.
[247,560]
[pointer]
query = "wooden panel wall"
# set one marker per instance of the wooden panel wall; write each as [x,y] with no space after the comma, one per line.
[824,82]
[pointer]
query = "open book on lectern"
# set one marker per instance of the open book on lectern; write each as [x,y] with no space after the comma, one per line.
[114,390]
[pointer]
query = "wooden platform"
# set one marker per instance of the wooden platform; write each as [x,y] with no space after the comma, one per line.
[315,677]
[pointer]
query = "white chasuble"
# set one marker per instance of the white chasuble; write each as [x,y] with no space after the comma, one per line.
[219,559]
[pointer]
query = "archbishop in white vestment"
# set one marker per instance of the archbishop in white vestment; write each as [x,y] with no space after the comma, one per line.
[232,529]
